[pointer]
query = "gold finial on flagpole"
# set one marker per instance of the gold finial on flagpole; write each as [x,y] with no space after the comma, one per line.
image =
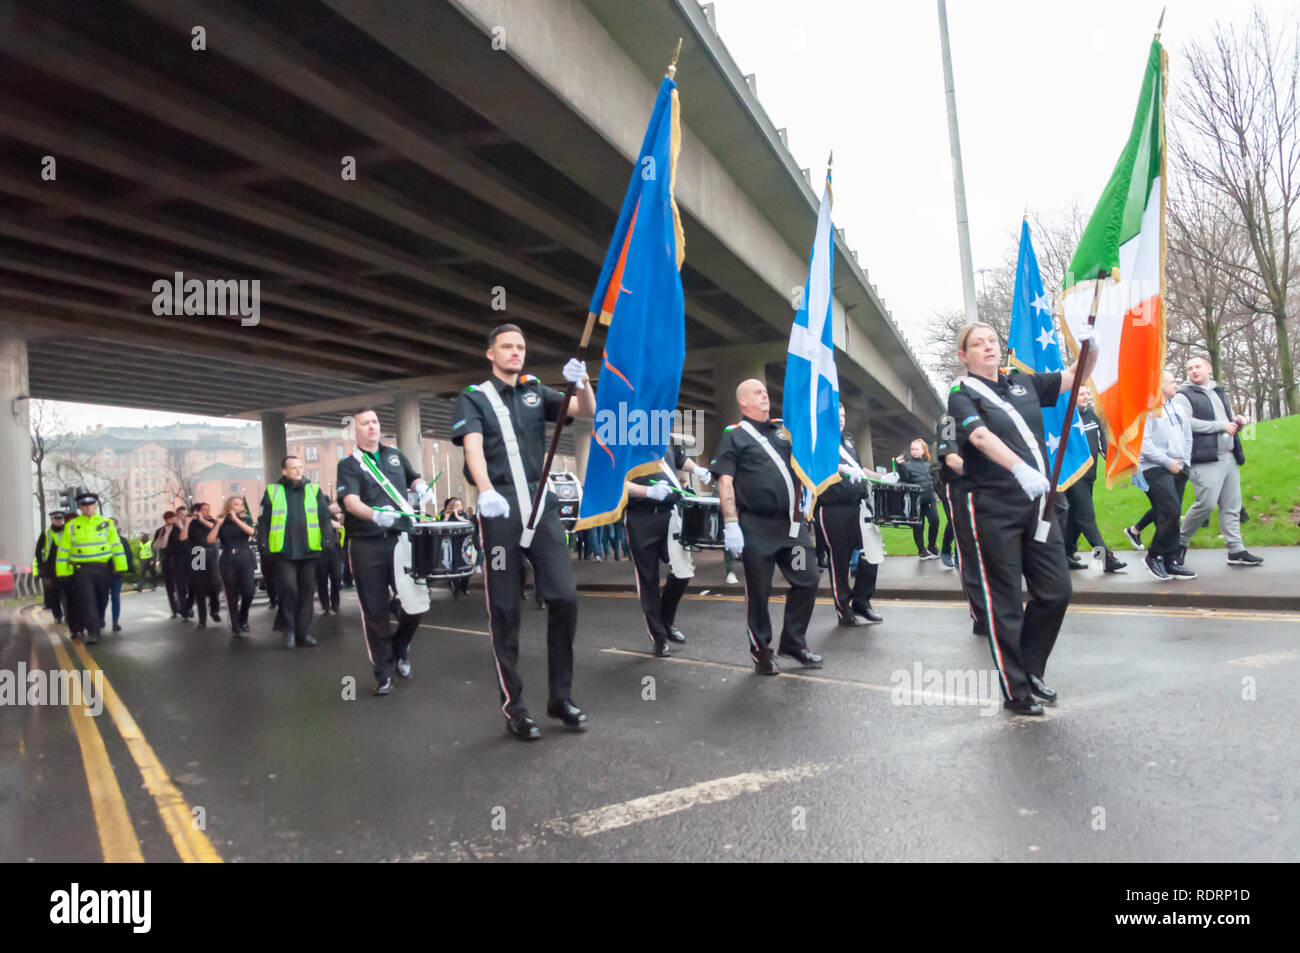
[1026,215]
[672,67]
[1161,21]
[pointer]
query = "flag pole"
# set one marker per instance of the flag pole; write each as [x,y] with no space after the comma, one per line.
[1049,505]
[572,387]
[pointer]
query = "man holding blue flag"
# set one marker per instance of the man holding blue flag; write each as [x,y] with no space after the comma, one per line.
[1033,347]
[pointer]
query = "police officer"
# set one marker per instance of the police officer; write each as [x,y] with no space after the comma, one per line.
[999,424]
[652,516]
[837,521]
[1081,516]
[290,518]
[951,489]
[762,525]
[501,424]
[146,560]
[372,487]
[47,548]
[89,553]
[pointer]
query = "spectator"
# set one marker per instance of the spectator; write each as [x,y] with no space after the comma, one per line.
[1216,455]
[1081,517]
[114,592]
[1166,444]
[914,467]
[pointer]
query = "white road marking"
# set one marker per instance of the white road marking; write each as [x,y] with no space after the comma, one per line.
[653,806]
[1258,661]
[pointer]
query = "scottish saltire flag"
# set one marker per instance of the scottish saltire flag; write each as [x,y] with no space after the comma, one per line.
[810,402]
[639,295]
[1033,346]
[1126,235]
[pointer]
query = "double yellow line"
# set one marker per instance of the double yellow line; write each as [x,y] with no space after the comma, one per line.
[117,838]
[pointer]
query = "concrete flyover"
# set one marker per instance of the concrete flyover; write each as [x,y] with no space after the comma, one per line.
[491,142]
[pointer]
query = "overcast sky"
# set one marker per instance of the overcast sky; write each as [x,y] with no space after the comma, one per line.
[1045,97]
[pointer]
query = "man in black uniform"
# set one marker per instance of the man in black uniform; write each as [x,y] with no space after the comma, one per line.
[760,509]
[999,424]
[501,424]
[178,563]
[372,487]
[1082,517]
[651,506]
[951,489]
[47,550]
[838,521]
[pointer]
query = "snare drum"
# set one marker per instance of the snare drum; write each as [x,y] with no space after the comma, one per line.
[896,504]
[442,550]
[701,522]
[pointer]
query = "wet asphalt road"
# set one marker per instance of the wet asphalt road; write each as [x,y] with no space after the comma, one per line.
[1152,753]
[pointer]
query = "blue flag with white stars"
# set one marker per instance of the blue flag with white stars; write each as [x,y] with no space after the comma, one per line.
[1034,348]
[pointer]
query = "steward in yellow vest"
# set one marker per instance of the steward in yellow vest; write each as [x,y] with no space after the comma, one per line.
[291,518]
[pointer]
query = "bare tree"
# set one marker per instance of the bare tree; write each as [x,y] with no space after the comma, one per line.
[1239,134]
[48,437]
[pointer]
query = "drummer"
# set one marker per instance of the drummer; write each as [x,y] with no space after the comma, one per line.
[378,476]
[999,423]
[838,522]
[651,516]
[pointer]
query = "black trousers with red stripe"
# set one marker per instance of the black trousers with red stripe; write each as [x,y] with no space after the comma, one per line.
[1022,635]
[503,567]
[647,538]
[840,527]
[957,509]
[768,544]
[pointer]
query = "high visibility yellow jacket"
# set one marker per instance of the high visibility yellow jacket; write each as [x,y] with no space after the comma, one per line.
[146,549]
[89,539]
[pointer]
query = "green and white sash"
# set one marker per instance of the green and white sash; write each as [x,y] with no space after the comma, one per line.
[746,426]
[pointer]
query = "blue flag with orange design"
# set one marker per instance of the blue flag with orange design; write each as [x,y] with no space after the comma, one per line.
[639,295]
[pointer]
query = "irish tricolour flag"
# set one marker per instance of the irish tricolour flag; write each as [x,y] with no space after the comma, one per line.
[1126,236]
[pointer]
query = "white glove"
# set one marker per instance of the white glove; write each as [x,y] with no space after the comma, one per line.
[492,504]
[703,475]
[891,476]
[658,492]
[733,540]
[575,371]
[1085,333]
[427,494]
[384,519]
[1031,481]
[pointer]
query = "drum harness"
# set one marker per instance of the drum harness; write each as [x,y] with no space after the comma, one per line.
[414,598]
[680,562]
[516,462]
[1027,435]
[746,426]
[873,549]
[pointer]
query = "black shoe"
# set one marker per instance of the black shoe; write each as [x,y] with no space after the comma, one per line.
[805,657]
[216,616]
[850,620]
[201,625]
[244,627]
[1182,556]
[765,664]
[1243,558]
[979,631]
[1023,706]
[1074,562]
[92,638]
[661,650]
[334,609]
[1114,564]
[116,627]
[385,687]
[237,632]
[676,635]
[308,640]
[574,718]
[522,727]
[1134,537]
[1156,566]
[290,640]
[1177,571]
[1037,687]
[868,613]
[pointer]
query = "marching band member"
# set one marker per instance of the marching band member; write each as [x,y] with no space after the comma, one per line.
[838,518]
[760,510]
[501,424]
[951,491]
[372,486]
[653,517]
[999,424]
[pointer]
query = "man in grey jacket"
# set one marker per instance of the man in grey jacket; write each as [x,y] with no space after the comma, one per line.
[1166,445]
[1216,454]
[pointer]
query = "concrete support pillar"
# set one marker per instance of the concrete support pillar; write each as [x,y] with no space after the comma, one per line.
[862,436]
[731,370]
[274,445]
[18,529]
[582,447]
[407,405]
